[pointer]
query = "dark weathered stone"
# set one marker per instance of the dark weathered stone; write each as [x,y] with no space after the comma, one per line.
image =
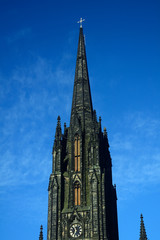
[41,233]
[143,235]
[96,215]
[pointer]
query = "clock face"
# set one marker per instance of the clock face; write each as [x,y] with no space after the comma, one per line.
[75,230]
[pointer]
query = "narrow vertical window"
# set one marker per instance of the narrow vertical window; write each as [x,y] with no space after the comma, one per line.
[77,194]
[79,197]
[77,154]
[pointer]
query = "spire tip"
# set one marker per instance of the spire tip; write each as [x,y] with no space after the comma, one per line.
[80,22]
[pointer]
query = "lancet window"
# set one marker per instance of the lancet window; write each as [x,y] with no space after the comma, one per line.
[77,154]
[77,194]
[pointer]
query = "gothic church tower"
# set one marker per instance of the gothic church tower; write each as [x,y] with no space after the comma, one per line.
[82,199]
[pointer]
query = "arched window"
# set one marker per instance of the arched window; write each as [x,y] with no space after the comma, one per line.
[77,194]
[77,154]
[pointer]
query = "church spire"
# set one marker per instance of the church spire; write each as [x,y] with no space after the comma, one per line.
[82,201]
[143,235]
[58,129]
[81,102]
[41,233]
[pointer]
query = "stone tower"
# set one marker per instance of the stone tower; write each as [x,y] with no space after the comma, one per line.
[82,200]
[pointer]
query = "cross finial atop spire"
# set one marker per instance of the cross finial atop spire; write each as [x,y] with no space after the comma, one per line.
[80,21]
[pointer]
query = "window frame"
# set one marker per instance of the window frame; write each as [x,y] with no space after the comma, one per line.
[77,156]
[77,194]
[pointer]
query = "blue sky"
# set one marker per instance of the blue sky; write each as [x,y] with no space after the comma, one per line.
[38,46]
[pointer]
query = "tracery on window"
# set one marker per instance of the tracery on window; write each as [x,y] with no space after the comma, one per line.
[77,154]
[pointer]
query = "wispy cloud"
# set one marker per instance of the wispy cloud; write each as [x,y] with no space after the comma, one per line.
[144,123]
[32,100]
[136,154]
[22,33]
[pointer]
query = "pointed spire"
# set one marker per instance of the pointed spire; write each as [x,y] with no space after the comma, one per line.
[95,116]
[58,122]
[58,129]
[105,132]
[41,233]
[143,235]
[65,126]
[100,120]
[81,102]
